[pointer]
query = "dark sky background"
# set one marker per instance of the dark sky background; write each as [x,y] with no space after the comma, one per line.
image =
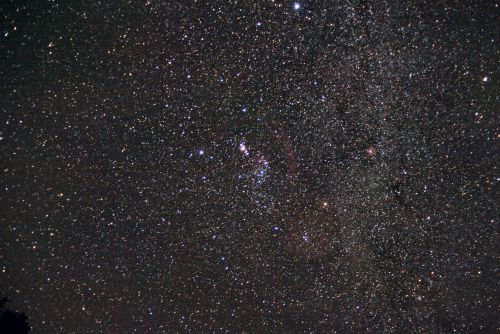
[319,166]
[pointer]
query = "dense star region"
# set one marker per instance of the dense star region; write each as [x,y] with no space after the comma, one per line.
[250,166]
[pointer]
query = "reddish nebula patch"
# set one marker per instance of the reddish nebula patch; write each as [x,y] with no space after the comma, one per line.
[371,151]
[311,234]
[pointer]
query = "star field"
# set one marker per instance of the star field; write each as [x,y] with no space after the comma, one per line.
[267,166]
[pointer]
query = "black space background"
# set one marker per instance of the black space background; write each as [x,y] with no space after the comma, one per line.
[364,200]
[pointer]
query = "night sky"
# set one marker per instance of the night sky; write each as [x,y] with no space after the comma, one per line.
[250,166]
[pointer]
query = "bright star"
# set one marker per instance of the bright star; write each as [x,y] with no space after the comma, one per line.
[296,6]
